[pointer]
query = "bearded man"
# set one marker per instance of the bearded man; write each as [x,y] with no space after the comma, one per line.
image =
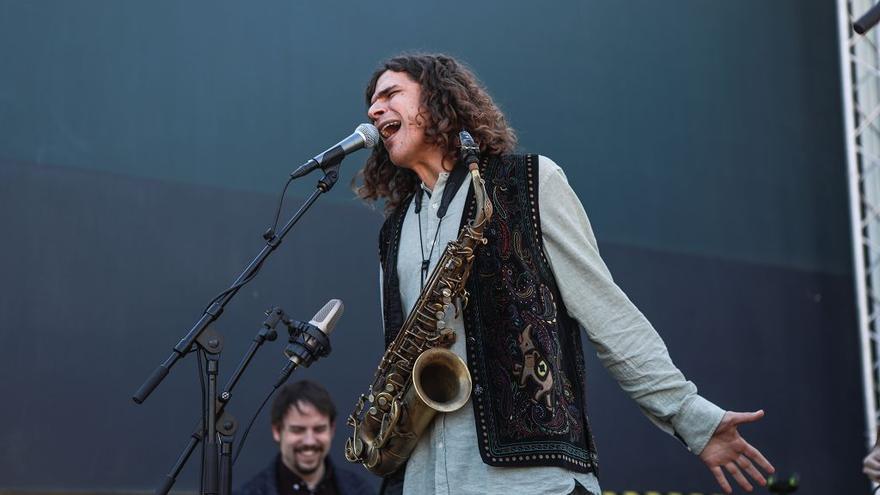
[303,424]
[537,281]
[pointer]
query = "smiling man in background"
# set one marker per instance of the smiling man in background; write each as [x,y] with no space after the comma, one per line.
[303,424]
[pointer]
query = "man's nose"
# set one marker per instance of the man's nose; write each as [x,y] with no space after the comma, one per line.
[309,438]
[376,110]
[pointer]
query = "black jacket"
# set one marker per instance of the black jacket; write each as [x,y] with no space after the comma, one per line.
[264,483]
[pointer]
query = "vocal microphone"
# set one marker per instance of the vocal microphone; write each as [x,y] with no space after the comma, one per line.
[365,136]
[309,341]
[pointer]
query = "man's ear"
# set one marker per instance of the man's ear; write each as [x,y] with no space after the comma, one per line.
[276,433]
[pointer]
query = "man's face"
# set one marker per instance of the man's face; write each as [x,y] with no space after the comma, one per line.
[304,438]
[396,111]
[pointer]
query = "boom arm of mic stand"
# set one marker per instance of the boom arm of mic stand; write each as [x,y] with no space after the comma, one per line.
[331,175]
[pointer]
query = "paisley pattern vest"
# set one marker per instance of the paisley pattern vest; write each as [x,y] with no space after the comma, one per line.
[523,350]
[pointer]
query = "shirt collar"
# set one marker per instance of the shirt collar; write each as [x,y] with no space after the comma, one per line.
[438,184]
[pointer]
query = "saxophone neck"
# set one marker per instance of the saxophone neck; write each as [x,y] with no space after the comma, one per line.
[484,206]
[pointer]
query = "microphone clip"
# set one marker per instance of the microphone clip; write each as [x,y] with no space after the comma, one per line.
[307,343]
[331,175]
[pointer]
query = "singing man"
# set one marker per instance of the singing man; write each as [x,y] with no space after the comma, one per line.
[533,286]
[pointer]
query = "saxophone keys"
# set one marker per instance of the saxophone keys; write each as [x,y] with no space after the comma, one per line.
[447,294]
[384,399]
[441,324]
[354,449]
[395,378]
[440,314]
[372,458]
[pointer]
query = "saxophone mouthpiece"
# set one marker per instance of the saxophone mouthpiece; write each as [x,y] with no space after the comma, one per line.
[470,152]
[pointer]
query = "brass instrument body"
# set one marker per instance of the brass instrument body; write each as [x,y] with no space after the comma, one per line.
[418,375]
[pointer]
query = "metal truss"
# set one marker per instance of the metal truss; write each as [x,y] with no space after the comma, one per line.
[860,74]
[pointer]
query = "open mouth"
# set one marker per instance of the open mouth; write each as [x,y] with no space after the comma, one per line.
[308,453]
[389,128]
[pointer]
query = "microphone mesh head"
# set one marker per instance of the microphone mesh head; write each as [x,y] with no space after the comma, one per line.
[370,134]
[327,317]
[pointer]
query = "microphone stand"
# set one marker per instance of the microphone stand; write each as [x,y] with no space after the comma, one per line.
[331,175]
[222,421]
[200,336]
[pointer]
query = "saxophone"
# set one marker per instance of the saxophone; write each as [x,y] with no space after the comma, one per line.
[418,375]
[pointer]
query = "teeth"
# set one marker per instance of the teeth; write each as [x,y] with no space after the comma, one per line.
[389,128]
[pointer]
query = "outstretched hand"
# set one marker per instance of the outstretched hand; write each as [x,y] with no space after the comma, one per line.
[727,449]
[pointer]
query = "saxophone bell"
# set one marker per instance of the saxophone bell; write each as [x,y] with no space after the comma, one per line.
[441,380]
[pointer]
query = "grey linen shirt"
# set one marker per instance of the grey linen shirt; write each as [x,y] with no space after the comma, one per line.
[446,459]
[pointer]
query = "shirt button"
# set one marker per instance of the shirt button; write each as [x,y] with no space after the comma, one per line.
[440,445]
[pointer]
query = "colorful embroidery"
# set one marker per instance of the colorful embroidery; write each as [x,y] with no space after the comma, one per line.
[524,351]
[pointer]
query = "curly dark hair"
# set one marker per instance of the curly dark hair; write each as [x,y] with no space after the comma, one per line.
[453,99]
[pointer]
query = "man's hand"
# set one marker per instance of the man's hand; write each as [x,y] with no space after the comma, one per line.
[729,450]
[871,464]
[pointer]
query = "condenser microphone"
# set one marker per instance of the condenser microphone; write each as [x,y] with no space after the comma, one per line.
[365,136]
[328,316]
[309,341]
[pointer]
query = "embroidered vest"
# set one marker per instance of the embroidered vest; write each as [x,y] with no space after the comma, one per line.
[523,350]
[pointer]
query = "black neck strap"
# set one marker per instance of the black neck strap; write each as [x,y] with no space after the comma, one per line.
[456,177]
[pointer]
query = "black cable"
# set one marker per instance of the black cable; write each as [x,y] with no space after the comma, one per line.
[280,202]
[426,262]
[248,429]
[250,276]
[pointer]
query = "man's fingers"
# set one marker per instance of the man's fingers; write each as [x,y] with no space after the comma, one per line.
[872,473]
[746,465]
[872,462]
[722,481]
[756,455]
[738,418]
[740,478]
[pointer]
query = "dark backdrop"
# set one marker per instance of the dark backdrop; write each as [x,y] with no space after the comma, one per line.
[144,145]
